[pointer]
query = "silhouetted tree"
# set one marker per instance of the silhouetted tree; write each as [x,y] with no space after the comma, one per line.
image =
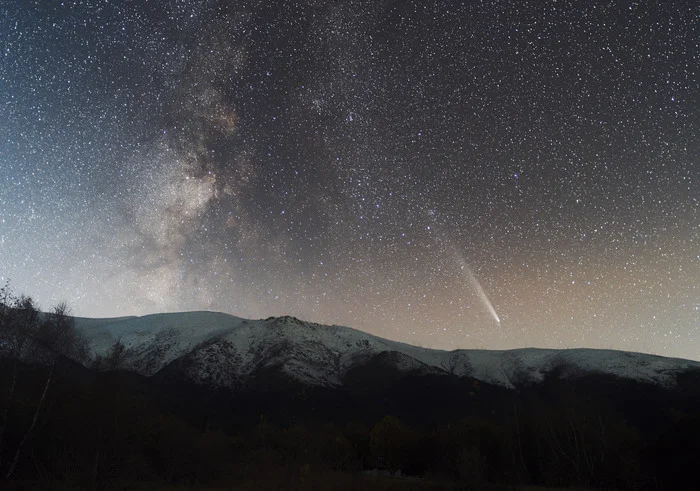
[58,334]
[113,359]
[456,364]
[30,337]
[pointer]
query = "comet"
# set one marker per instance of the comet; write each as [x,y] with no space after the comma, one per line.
[480,291]
[466,270]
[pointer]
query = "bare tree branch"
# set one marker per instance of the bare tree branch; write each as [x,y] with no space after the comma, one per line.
[11,470]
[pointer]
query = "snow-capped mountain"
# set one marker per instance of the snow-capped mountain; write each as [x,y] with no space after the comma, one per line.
[224,351]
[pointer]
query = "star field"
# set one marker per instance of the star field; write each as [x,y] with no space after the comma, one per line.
[363,163]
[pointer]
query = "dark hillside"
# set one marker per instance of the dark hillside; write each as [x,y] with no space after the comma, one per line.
[116,429]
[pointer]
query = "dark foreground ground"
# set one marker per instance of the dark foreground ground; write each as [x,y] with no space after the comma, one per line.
[76,428]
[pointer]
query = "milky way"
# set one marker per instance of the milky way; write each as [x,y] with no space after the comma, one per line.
[327,160]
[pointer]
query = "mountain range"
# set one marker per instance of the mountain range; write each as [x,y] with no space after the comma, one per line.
[223,351]
[206,399]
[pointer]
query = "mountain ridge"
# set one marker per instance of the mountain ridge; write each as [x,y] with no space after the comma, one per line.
[222,350]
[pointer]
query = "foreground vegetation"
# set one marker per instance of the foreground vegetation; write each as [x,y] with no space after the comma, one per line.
[67,426]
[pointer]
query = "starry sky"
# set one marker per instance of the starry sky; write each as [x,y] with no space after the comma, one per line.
[468,174]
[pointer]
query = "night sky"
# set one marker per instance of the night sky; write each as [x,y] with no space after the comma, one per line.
[474,174]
